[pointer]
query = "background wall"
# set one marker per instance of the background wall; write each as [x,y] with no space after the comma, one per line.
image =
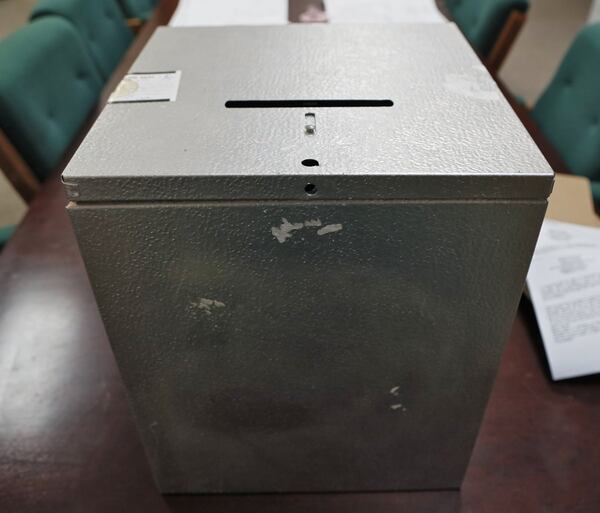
[13,14]
[549,30]
[595,11]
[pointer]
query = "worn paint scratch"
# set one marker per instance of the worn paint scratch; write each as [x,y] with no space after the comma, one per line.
[207,305]
[397,406]
[329,228]
[395,391]
[313,222]
[284,231]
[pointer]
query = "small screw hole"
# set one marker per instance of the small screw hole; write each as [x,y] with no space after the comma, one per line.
[310,162]
[310,189]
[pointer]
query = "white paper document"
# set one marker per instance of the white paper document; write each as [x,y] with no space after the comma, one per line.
[196,13]
[383,11]
[564,286]
[147,87]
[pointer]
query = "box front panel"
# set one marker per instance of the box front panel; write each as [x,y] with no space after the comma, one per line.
[314,346]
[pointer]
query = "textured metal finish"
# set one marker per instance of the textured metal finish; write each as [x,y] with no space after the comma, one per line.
[326,332]
[449,134]
[360,359]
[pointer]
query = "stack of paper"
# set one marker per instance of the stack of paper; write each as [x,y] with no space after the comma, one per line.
[230,12]
[383,11]
[564,286]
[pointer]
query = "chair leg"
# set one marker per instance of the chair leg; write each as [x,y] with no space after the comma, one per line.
[507,36]
[17,171]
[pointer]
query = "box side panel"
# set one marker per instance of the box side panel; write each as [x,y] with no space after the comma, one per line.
[315,346]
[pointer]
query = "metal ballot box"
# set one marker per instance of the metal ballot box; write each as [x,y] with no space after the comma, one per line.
[309,259]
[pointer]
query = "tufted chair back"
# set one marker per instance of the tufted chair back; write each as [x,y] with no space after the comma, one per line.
[568,112]
[48,87]
[481,21]
[141,9]
[101,24]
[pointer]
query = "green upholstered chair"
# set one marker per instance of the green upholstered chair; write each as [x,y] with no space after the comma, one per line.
[491,26]
[568,111]
[101,24]
[138,9]
[48,87]
[5,234]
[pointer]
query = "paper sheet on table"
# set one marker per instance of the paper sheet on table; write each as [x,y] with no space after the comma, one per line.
[383,11]
[194,13]
[564,287]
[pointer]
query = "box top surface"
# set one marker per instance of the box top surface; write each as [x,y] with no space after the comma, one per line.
[449,133]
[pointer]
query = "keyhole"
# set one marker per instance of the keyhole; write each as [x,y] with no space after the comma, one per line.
[310,189]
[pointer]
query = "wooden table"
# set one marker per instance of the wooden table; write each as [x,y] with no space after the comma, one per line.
[68,443]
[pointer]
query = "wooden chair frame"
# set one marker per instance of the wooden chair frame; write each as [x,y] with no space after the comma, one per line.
[135,24]
[513,25]
[18,173]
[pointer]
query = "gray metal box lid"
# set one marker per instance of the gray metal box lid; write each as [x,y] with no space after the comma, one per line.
[449,134]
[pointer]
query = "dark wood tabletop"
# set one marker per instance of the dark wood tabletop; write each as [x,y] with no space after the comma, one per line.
[68,443]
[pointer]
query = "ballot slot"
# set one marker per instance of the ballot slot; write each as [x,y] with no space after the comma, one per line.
[278,104]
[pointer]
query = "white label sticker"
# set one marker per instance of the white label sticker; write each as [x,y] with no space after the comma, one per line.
[147,87]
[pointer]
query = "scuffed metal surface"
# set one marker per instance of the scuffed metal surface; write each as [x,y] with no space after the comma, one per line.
[359,360]
[449,131]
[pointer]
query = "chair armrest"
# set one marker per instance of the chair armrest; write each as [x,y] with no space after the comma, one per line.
[135,24]
[510,31]
[17,171]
